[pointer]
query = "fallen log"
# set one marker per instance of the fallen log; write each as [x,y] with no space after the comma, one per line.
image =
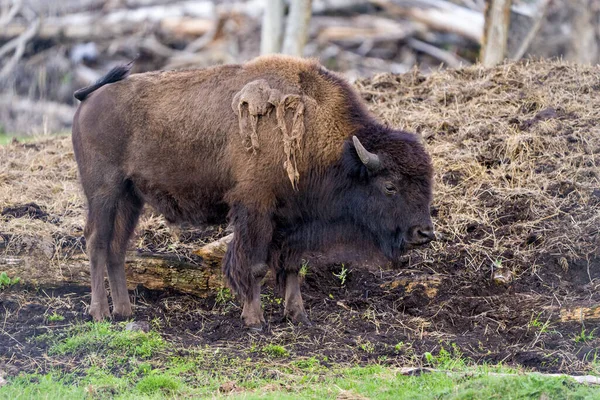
[580,314]
[18,46]
[444,56]
[40,265]
[356,31]
[438,15]
[215,251]
[188,19]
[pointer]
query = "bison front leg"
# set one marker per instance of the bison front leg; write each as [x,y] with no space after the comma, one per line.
[245,261]
[294,306]
[252,313]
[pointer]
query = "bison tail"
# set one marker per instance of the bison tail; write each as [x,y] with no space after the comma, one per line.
[116,74]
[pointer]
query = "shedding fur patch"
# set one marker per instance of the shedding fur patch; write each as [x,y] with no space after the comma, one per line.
[257,99]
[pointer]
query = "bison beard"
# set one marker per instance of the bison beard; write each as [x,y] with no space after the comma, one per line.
[280,146]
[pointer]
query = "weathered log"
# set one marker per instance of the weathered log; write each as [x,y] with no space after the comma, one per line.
[439,15]
[363,28]
[444,56]
[215,251]
[181,19]
[18,45]
[52,116]
[5,18]
[579,314]
[40,267]
[339,6]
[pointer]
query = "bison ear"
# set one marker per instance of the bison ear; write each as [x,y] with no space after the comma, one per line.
[370,160]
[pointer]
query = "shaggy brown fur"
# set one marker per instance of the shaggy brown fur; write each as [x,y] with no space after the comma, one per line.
[288,178]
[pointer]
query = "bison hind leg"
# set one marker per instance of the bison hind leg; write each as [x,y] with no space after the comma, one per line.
[128,208]
[113,210]
[98,231]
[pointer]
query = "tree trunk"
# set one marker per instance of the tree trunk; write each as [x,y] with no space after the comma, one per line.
[584,40]
[296,33]
[495,32]
[272,27]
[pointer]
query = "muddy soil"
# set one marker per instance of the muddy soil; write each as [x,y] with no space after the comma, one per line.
[391,317]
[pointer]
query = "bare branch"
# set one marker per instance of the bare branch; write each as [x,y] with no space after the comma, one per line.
[537,24]
[19,45]
[14,10]
[448,58]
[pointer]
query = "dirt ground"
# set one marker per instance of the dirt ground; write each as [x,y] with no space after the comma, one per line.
[514,278]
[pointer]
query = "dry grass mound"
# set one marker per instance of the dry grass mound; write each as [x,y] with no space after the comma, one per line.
[517,155]
[516,151]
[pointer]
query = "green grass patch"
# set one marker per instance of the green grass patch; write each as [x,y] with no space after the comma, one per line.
[108,339]
[275,350]
[54,317]
[103,360]
[311,381]
[7,281]
[6,138]
[41,387]
[153,384]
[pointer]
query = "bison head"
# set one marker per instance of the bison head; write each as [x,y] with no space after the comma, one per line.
[391,190]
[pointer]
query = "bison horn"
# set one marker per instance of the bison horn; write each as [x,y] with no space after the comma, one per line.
[370,160]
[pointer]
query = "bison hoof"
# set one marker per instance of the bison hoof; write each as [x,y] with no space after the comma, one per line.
[255,328]
[299,318]
[254,324]
[252,315]
[121,312]
[99,311]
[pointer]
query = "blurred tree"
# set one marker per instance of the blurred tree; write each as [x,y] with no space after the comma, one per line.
[272,27]
[495,32]
[296,32]
[585,32]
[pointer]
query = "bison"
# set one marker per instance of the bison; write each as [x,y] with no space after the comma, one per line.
[280,147]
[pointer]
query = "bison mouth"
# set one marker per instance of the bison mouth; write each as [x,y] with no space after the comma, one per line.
[394,246]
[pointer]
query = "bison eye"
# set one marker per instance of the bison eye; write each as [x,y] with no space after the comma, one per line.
[390,188]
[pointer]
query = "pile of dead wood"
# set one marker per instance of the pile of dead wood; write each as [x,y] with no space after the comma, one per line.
[50,48]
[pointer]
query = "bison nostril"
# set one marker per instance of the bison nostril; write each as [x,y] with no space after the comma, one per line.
[427,234]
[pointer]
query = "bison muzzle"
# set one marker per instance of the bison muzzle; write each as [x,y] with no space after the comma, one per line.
[280,147]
